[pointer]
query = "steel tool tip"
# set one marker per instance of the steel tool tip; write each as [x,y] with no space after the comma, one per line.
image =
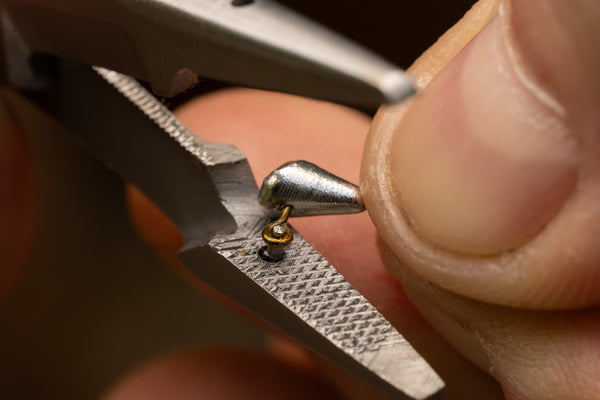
[396,86]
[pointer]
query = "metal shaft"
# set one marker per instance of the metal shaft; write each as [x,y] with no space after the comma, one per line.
[174,43]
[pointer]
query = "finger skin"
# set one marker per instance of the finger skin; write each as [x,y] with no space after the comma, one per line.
[271,129]
[16,198]
[220,374]
[534,354]
[530,275]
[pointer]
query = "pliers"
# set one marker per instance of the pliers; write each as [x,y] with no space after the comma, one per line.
[83,61]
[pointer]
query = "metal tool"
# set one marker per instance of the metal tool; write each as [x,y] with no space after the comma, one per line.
[207,189]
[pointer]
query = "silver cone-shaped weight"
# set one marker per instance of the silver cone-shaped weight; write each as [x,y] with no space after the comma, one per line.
[310,190]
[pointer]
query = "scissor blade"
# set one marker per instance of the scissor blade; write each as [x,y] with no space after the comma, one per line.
[169,43]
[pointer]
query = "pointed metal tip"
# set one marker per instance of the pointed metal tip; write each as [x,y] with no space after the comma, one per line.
[310,190]
[396,86]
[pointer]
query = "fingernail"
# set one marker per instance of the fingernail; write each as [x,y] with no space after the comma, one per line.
[484,159]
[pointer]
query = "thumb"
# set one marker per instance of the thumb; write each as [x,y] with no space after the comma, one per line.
[484,189]
[487,183]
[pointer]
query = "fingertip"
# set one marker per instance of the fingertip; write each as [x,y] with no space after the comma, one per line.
[482,182]
[481,169]
[534,354]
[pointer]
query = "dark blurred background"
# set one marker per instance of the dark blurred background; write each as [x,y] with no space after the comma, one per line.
[95,301]
[398,29]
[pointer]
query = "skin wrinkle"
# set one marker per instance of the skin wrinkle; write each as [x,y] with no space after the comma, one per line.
[519,66]
[567,28]
[509,342]
[543,115]
[425,296]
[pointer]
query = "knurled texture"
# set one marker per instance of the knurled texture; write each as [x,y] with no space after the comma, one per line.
[306,283]
[156,112]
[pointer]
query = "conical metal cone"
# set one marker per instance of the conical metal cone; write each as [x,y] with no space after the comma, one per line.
[310,190]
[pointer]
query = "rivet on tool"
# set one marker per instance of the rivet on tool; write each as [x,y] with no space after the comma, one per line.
[277,235]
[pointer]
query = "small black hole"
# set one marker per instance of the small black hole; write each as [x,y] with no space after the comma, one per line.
[45,66]
[264,254]
[241,3]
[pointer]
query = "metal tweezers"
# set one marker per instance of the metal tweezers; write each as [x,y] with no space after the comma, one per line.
[82,62]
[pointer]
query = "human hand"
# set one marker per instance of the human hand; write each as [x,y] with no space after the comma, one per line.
[484,192]
[515,295]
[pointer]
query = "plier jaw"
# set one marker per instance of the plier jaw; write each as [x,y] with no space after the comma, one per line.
[172,43]
[207,189]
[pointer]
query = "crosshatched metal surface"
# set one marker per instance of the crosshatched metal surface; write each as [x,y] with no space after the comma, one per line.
[306,283]
[208,191]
